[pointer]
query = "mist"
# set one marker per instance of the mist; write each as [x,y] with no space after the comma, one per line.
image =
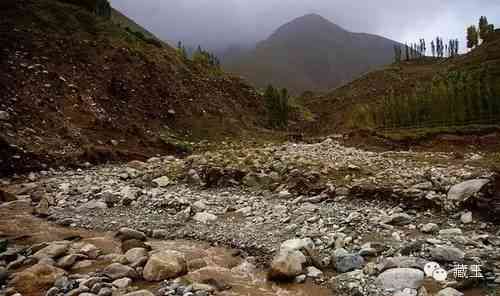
[219,24]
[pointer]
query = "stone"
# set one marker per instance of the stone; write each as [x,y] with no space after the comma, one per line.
[53,250]
[136,254]
[105,292]
[42,209]
[89,250]
[398,279]
[69,260]
[402,262]
[3,275]
[122,283]
[140,293]
[466,218]
[39,276]
[6,196]
[447,254]
[20,204]
[449,292]
[160,233]
[460,193]
[399,219]
[134,243]
[116,270]
[204,217]
[429,228]
[406,292]
[313,272]
[450,232]
[129,233]
[93,205]
[286,265]
[4,115]
[196,264]
[162,181]
[165,265]
[348,262]
[298,244]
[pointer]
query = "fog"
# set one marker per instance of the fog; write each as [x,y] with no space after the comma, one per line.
[216,24]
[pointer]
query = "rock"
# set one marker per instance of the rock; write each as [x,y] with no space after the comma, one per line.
[348,262]
[449,292]
[399,219]
[313,272]
[466,218]
[116,271]
[3,275]
[450,232]
[406,292]
[165,265]
[53,251]
[89,250]
[129,233]
[196,264]
[429,228]
[42,210]
[162,181]
[398,279]
[286,265]
[298,244]
[6,196]
[133,243]
[83,264]
[69,260]
[105,292]
[447,254]
[122,283]
[160,233]
[136,254]
[110,199]
[459,193]
[402,262]
[4,115]
[204,217]
[284,194]
[93,205]
[39,276]
[140,293]
[20,204]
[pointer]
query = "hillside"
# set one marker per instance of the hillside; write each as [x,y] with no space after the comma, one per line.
[76,88]
[311,53]
[336,111]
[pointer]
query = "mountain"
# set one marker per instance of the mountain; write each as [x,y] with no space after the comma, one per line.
[311,53]
[75,87]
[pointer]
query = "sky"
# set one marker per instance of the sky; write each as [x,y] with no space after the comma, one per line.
[216,24]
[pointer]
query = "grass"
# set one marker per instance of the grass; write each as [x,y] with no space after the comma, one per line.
[425,133]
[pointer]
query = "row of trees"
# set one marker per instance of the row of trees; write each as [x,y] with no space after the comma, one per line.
[277,105]
[456,98]
[474,34]
[418,50]
[200,56]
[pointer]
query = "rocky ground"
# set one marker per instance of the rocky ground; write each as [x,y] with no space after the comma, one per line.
[337,219]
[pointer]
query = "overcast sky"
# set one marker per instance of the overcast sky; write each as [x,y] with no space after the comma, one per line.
[217,23]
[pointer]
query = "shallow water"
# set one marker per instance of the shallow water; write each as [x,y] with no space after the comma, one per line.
[224,266]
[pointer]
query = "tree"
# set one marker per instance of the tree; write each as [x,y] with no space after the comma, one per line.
[472,37]
[182,50]
[397,54]
[433,49]
[277,106]
[483,27]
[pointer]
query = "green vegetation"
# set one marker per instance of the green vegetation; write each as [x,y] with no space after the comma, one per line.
[277,106]
[454,98]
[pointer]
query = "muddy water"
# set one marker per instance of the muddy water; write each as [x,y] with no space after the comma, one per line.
[223,266]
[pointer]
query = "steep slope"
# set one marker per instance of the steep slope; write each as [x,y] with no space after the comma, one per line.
[76,88]
[334,111]
[311,53]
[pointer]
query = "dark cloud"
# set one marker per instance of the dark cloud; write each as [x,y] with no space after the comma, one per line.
[217,23]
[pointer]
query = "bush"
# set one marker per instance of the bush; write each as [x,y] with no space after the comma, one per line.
[277,106]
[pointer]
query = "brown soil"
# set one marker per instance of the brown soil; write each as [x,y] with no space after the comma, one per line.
[81,89]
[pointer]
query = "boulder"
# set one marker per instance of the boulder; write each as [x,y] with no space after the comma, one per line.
[429,228]
[129,233]
[398,279]
[53,250]
[136,255]
[162,181]
[116,271]
[447,254]
[42,209]
[287,265]
[6,196]
[165,265]
[122,283]
[460,193]
[449,292]
[39,277]
[399,219]
[204,217]
[348,262]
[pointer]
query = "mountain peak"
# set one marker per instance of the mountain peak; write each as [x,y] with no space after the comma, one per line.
[309,24]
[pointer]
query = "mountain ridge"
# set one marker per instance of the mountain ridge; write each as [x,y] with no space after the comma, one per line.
[311,53]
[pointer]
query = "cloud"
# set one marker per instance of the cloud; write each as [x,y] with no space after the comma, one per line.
[218,23]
